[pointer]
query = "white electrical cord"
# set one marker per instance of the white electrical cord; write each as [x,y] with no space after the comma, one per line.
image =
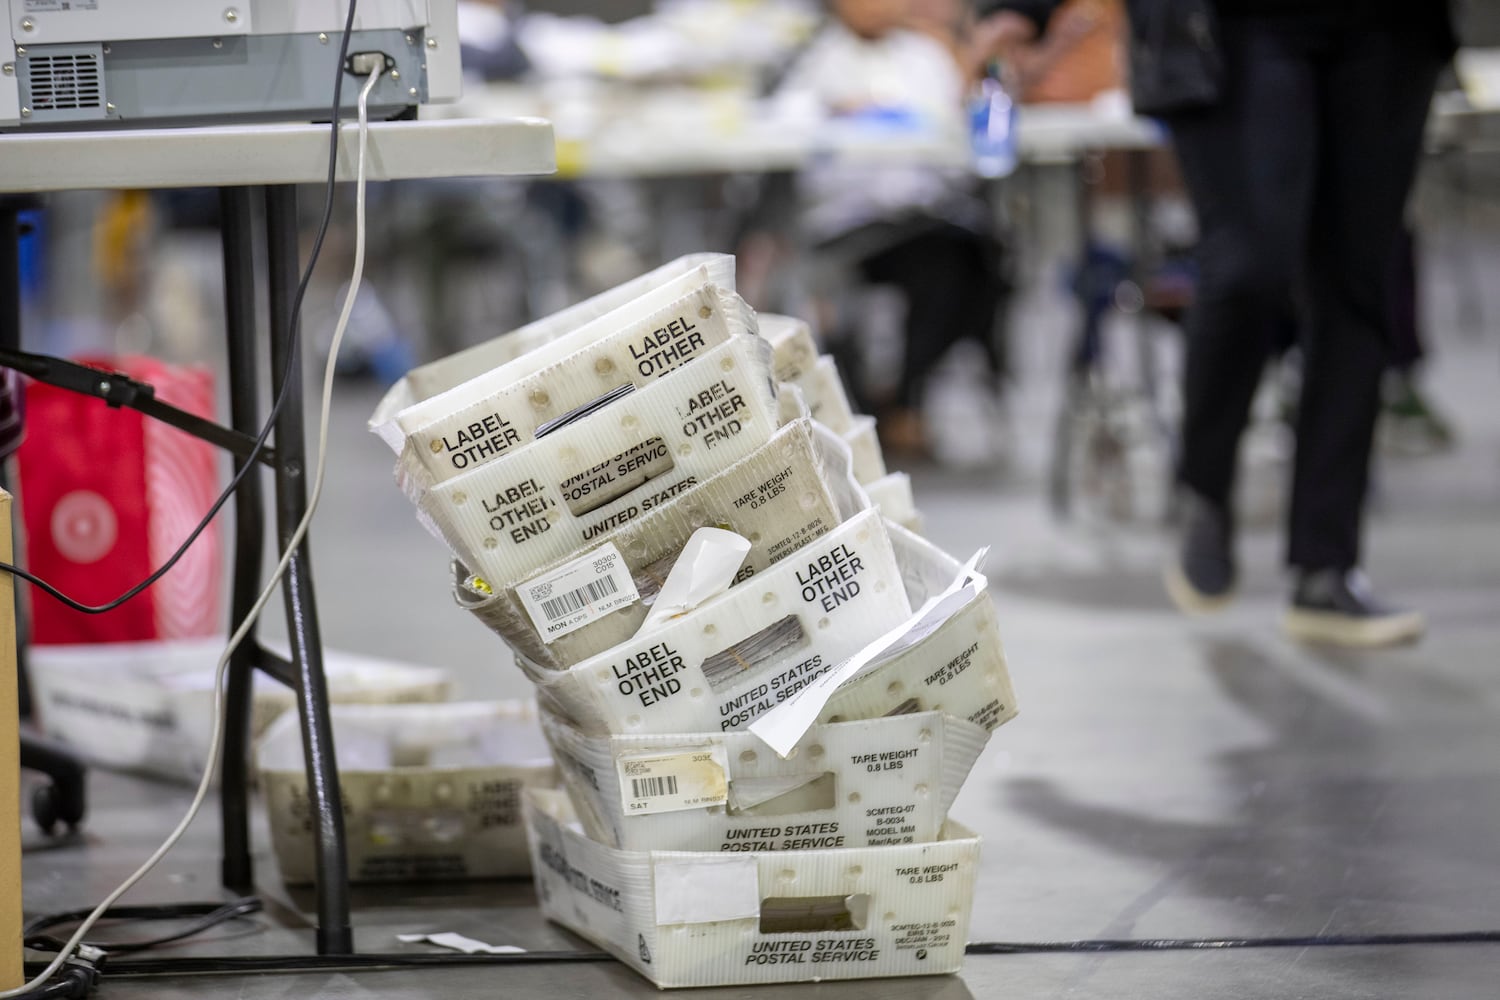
[216,741]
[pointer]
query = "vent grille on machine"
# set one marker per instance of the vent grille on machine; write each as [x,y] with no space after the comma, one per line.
[64,82]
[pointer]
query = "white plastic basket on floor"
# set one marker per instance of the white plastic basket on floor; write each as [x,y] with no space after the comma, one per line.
[727,919]
[430,791]
[854,784]
[148,706]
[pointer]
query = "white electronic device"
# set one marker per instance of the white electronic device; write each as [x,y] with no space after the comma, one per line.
[76,64]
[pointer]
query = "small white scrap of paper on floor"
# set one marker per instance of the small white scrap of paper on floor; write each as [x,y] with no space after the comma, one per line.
[458,942]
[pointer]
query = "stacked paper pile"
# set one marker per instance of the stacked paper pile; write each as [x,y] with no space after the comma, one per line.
[762,687]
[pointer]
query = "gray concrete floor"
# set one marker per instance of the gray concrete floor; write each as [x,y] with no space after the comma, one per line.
[1165,777]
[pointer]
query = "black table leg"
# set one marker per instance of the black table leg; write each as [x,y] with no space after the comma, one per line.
[335,936]
[237,217]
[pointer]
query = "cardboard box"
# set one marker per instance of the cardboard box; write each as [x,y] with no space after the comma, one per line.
[699,919]
[854,784]
[148,706]
[430,791]
[12,971]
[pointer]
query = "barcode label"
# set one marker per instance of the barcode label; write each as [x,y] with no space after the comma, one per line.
[653,781]
[577,600]
[650,788]
[576,593]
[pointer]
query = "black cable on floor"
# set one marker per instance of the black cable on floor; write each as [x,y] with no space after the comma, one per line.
[203,917]
[291,964]
[72,982]
[1225,944]
[368,962]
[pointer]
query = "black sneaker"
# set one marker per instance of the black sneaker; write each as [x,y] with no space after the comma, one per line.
[1335,607]
[1201,579]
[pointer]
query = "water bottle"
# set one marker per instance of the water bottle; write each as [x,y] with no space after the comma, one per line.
[992,127]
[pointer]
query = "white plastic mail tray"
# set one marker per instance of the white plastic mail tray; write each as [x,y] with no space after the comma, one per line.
[798,363]
[512,405]
[792,489]
[792,342]
[892,494]
[429,380]
[854,784]
[148,706]
[946,657]
[722,664]
[826,399]
[430,791]
[559,495]
[864,445]
[730,919]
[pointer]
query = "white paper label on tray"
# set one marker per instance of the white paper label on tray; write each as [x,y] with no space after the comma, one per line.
[654,782]
[582,591]
[706,891]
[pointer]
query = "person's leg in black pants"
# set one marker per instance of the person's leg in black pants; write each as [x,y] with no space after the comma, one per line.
[1250,165]
[1299,177]
[952,288]
[1376,89]
[1414,424]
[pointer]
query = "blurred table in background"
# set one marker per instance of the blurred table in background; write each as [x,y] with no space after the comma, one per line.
[670,131]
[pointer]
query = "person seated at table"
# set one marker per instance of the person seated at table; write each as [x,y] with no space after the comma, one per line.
[1080,57]
[918,226]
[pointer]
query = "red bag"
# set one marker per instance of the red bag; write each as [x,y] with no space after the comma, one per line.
[106,496]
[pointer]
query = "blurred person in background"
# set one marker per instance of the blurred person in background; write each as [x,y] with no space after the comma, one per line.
[1079,57]
[1412,425]
[918,227]
[1298,162]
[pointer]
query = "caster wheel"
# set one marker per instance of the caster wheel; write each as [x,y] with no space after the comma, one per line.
[44,808]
